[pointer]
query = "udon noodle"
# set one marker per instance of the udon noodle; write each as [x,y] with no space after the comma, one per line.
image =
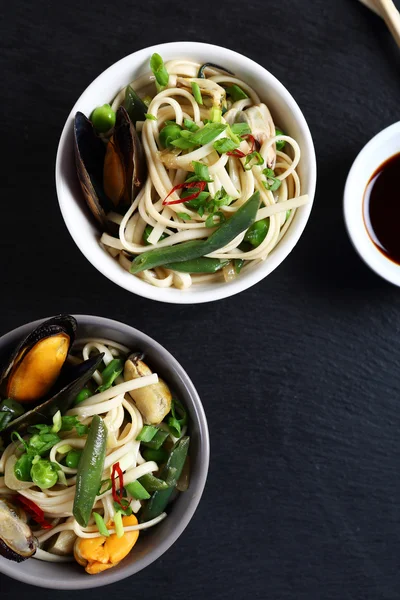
[172,224]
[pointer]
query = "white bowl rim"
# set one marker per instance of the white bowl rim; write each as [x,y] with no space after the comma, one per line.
[172,295]
[16,571]
[353,199]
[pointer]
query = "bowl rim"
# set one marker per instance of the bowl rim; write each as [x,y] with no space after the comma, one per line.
[207,294]
[353,200]
[15,571]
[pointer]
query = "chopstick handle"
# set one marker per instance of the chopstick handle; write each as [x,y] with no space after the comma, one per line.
[391,16]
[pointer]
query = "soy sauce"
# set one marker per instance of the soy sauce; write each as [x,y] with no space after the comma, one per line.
[382,208]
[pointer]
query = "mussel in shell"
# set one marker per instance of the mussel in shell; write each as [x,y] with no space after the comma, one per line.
[37,361]
[153,401]
[16,539]
[110,175]
[77,377]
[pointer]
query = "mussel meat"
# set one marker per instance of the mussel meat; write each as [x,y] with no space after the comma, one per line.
[77,377]
[153,401]
[37,362]
[16,539]
[112,175]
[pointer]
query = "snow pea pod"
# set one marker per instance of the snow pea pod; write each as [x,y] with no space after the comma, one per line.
[134,105]
[90,470]
[170,474]
[198,265]
[239,222]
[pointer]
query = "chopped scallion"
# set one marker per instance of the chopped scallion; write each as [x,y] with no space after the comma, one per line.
[101,526]
[196,92]
[225,145]
[236,93]
[150,117]
[137,491]
[57,422]
[119,528]
[147,433]
[159,70]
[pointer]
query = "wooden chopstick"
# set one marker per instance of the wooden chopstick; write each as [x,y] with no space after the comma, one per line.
[389,13]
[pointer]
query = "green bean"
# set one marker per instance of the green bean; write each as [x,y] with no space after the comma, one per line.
[198,265]
[90,470]
[239,222]
[257,233]
[170,473]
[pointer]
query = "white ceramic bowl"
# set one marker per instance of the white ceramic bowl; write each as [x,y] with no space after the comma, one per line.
[381,147]
[157,540]
[285,112]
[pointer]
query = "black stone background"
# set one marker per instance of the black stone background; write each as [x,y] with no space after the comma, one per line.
[298,375]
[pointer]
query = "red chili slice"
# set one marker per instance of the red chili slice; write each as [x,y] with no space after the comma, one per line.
[238,153]
[117,470]
[34,511]
[193,184]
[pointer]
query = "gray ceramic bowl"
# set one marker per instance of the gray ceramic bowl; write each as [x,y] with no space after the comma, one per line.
[157,540]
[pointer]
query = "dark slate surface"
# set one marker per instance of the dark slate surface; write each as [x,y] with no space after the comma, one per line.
[299,374]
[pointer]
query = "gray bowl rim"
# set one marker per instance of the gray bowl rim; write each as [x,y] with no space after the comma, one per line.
[14,570]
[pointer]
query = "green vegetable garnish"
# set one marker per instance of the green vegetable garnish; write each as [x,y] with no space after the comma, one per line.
[90,470]
[236,93]
[237,265]
[215,114]
[169,134]
[177,419]
[72,459]
[41,443]
[84,394]
[196,92]
[191,125]
[198,265]
[287,214]
[147,231]
[159,70]
[159,456]
[253,159]
[202,136]
[280,144]
[110,373]
[215,219]
[184,216]
[22,468]
[147,433]
[239,222]
[240,129]
[57,422]
[200,173]
[273,183]
[44,473]
[158,440]
[119,528]
[152,483]
[103,118]
[150,117]
[170,474]
[225,145]
[137,491]
[257,233]
[72,422]
[101,526]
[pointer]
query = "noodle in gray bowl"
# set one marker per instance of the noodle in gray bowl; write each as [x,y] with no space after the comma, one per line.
[104,452]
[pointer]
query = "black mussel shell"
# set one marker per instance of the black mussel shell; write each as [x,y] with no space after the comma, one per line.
[131,151]
[90,151]
[78,375]
[17,542]
[53,326]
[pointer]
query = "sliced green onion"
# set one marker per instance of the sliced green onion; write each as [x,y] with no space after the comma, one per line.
[191,125]
[273,183]
[215,114]
[84,394]
[61,476]
[110,373]
[105,486]
[184,216]
[201,173]
[119,528]
[240,129]
[157,440]
[236,93]
[159,70]
[287,214]
[147,433]
[16,435]
[280,144]
[210,222]
[175,425]
[253,159]
[124,508]
[101,526]
[197,93]
[225,145]
[137,491]
[57,422]
[150,117]
[64,449]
